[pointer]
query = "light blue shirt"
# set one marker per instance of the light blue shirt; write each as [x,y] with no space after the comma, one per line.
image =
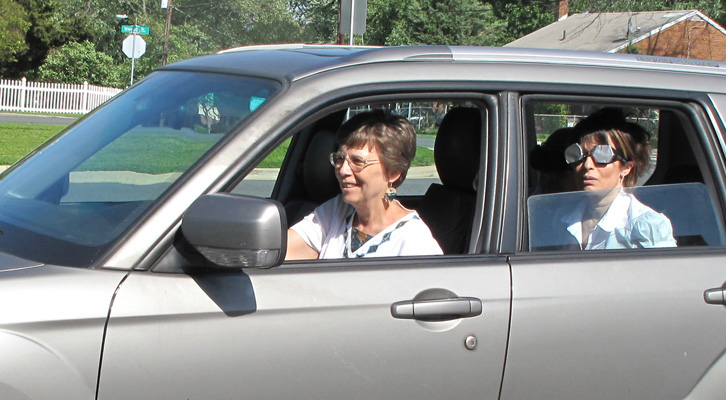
[627,224]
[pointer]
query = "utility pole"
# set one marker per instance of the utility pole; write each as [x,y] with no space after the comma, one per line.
[341,35]
[167,29]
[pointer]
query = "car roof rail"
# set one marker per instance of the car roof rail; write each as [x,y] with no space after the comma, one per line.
[292,46]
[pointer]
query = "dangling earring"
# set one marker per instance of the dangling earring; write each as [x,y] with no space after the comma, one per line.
[391,192]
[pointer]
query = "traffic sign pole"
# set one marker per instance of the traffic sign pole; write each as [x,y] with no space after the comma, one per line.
[133,52]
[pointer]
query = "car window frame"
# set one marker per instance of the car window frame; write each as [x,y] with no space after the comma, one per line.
[169,259]
[691,108]
[481,238]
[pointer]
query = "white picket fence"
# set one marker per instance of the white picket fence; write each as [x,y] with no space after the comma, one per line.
[21,95]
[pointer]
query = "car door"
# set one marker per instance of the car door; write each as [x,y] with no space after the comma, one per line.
[629,323]
[311,330]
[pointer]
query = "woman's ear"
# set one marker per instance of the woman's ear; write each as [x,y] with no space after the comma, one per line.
[393,177]
[627,168]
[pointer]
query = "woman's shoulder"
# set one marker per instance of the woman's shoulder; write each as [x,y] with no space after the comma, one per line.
[415,236]
[335,207]
[638,211]
[650,226]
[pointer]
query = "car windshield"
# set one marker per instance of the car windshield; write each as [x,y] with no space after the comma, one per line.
[74,196]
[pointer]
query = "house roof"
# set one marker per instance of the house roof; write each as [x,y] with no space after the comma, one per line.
[607,32]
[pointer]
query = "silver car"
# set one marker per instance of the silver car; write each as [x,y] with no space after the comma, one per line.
[141,250]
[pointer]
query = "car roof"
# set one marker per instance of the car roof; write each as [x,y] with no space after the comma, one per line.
[297,61]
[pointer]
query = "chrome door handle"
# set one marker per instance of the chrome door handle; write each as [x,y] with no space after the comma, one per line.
[715,296]
[438,309]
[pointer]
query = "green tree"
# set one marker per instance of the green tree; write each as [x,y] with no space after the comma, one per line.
[463,22]
[48,29]
[240,22]
[524,17]
[13,27]
[318,19]
[79,62]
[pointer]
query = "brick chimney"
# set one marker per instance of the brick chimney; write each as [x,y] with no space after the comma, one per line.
[563,9]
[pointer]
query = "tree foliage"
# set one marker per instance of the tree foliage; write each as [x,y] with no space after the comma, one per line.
[38,36]
[13,27]
[79,62]
[460,22]
[524,17]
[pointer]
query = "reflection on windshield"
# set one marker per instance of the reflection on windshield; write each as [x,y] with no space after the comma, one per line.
[68,202]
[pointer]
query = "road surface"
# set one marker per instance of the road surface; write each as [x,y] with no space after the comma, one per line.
[35,119]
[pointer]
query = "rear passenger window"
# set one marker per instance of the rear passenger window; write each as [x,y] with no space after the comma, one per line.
[603,175]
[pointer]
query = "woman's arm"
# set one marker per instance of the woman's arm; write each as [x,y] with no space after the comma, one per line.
[297,249]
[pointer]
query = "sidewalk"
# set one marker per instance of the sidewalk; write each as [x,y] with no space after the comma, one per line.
[271,173]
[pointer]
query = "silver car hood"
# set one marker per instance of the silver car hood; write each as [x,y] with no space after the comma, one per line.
[11,263]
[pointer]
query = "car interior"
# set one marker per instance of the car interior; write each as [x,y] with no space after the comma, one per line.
[445,201]
[674,186]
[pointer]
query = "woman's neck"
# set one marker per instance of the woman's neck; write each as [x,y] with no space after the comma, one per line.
[373,220]
[599,205]
[595,210]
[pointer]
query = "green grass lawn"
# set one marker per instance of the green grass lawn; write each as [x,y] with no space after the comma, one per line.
[423,157]
[17,140]
[155,154]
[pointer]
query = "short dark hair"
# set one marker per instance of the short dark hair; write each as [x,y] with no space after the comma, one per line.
[393,137]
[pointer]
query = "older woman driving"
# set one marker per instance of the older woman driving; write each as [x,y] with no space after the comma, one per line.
[605,162]
[366,220]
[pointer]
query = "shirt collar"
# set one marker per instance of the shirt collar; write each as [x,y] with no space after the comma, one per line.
[616,216]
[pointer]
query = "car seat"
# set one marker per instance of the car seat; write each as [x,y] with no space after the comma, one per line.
[447,208]
[318,177]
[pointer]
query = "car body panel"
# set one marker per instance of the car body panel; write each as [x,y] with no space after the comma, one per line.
[51,336]
[306,332]
[634,336]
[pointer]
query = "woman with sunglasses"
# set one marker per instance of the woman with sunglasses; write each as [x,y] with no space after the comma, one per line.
[605,162]
[366,220]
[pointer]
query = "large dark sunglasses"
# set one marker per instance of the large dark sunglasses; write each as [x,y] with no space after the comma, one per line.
[601,154]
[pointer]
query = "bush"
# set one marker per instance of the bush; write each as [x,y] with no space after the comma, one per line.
[79,62]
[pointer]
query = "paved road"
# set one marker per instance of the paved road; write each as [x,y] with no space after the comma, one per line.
[427,142]
[35,119]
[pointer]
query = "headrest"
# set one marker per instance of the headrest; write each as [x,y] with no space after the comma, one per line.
[456,150]
[319,175]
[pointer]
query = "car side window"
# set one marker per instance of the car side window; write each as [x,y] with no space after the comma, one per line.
[260,182]
[610,176]
[300,176]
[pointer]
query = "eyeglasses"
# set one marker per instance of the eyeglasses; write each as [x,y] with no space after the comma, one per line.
[601,154]
[356,163]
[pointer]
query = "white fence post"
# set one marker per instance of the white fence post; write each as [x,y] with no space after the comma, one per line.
[23,83]
[85,95]
[52,97]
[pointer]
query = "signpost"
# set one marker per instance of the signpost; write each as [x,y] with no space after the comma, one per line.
[134,47]
[353,17]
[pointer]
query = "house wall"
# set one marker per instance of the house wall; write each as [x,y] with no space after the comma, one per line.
[688,39]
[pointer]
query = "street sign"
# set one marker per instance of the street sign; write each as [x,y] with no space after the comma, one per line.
[134,46]
[353,12]
[137,29]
